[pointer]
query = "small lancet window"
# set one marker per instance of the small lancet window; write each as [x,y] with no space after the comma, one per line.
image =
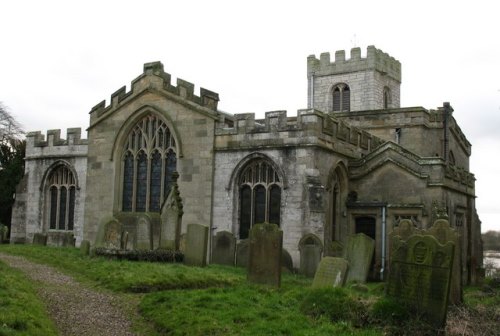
[341,98]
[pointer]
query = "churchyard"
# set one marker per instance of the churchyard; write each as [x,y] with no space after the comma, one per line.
[175,299]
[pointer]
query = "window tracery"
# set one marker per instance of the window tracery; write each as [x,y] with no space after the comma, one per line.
[62,193]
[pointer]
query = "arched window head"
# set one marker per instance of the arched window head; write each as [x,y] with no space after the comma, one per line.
[387,97]
[260,196]
[148,161]
[61,194]
[341,98]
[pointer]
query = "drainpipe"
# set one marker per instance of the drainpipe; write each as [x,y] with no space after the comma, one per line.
[382,269]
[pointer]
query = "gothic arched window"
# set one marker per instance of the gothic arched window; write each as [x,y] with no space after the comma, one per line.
[149,160]
[260,196]
[61,192]
[341,98]
[387,97]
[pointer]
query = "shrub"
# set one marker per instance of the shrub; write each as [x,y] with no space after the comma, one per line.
[158,255]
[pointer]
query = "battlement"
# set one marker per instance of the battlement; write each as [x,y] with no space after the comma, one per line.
[37,139]
[308,127]
[375,60]
[160,81]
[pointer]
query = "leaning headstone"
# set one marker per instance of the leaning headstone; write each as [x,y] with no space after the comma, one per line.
[144,241]
[85,247]
[442,231]
[359,254]
[331,272]
[402,232]
[109,233]
[224,248]
[40,239]
[310,248]
[171,217]
[242,250]
[420,276]
[264,260]
[196,245]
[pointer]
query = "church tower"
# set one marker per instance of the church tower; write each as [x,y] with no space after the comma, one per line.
[355,84]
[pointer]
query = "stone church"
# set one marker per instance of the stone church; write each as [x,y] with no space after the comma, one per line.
[353,161]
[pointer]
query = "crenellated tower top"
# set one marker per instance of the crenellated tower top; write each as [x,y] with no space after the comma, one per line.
[353,84]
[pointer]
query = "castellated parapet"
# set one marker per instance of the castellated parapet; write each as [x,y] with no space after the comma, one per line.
[373,82]
[375,60]
[183,92]
[309,128]
[37,145]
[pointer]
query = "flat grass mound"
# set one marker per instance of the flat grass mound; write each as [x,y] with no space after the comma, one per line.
[128,276]
[21,311]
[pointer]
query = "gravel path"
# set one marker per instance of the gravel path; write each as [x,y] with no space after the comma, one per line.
[75,308]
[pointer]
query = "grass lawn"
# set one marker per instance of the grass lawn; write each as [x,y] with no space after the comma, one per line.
[21,312]
[217,300]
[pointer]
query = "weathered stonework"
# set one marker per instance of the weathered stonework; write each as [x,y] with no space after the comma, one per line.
[331,174]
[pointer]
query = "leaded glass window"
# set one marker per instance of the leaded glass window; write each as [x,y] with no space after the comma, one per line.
[149,160]
[61,199]
[341,100]
[260,196]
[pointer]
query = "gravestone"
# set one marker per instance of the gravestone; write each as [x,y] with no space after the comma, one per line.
[143,239]
[265,252]
[68,240]
[109,233]
[359,254]
[310,249]
[242,250]
[286,261]
[40,239]
[402,232]
[331,272]
[85,247]
[171,217]
[420,276]
[224,247]
[124,240]
[442,231]
[196,245]
[4,233]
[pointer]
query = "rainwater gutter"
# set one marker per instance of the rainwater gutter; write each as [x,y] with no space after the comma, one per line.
[384,224]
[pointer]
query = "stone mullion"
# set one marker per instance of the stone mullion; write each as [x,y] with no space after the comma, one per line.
[134,181]
[148,179]
[58,207]
[162,177]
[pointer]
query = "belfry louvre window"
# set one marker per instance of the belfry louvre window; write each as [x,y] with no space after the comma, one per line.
[149,160]
[260,196]
[62,193]
[341,98]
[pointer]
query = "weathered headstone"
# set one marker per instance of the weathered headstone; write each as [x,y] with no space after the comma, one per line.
[4,233]
[264,260]
[402,232]
[171,217]
[442,231]
[109,233]
[68,240]
[359,254]
[286,261]
[331,272]
[224,248]
[124,240]
[144,241]
[420,276]
[242,250]
[196,245]
[85,247]
[310,248]
[40,239]
[336,249]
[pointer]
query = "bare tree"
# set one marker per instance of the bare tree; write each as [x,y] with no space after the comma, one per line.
[10,129]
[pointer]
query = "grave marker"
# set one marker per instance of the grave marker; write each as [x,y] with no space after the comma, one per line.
[171,217]
[420,276]
[310,248]
[223,252]
[359,254]
[40,239]
[144,241]
[85,247]
[196,245]
[264,262]
[331,272]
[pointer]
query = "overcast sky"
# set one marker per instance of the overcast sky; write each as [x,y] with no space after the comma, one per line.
[60,58]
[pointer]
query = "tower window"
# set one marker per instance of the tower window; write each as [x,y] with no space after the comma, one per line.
[387,97]
[149,160]
[341,98]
